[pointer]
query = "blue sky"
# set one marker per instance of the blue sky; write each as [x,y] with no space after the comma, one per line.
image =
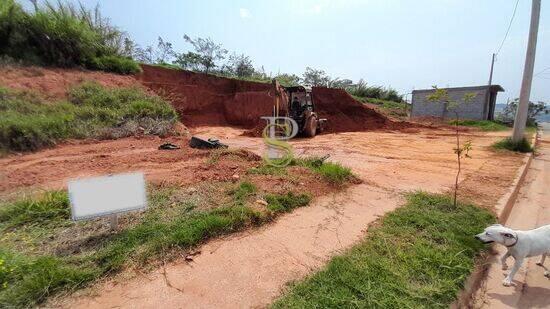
[404,44]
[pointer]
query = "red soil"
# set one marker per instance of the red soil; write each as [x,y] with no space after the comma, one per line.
[53,83]
[206,100]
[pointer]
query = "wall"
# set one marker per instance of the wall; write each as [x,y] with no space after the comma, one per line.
[477,109]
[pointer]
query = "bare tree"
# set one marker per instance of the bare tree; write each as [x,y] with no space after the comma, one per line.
[461,150]
[164,51]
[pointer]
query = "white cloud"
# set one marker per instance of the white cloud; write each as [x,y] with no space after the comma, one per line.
[244,13]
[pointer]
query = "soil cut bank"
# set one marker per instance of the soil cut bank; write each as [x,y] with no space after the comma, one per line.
[207,100]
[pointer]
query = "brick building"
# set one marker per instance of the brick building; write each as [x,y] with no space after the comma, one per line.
[482,107]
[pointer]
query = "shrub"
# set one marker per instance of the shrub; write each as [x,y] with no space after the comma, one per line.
[62,35]
[115,64]
[507,144]
[28,123]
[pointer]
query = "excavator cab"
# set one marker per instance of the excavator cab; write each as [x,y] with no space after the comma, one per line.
[302,109]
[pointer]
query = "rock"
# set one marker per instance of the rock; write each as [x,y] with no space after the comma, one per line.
[236,177]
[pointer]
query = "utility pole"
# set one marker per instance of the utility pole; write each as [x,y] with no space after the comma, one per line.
[523,107]
[491,74]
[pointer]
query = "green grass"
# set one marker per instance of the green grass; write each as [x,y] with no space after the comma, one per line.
[30,273]
[30,123]
[332,172]
[484,125]
[63,34]
[397,109]
[523,146]
[419,256]
[286,202]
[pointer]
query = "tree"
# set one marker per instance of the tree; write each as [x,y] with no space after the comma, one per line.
[339,83]
[164,51]
[241,65]
[144,55]
[315,77]
[288,79]
[461,150]
[509,112]
[206,56]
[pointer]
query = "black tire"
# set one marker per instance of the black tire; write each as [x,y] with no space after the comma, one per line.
[310,128]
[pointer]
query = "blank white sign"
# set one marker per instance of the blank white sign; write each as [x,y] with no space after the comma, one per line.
[105,195]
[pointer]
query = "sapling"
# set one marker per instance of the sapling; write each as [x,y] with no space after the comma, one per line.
[461,150]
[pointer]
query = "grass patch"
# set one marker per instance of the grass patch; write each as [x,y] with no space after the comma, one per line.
[37,261]
[419,256]
[29,123]
[507,144]
[286,202]
[392,108]
[484,125]
[332,172]
[65,35]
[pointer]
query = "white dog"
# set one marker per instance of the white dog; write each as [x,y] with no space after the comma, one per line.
[520,244]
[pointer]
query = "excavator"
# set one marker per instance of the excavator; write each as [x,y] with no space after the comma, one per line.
[297,103]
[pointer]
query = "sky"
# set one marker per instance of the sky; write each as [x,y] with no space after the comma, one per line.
[404,44]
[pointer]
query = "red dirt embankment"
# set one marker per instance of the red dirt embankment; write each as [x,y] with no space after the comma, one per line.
[206,100]
[53,83]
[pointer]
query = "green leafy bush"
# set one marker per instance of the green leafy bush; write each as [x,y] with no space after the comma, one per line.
[29,123]
[64,35]
[115,64]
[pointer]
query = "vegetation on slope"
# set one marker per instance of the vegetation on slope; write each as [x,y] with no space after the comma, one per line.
[63,35]
[42,252]
[419,256]
[29,123]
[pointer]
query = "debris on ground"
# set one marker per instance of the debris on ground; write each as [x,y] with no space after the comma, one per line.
[169,146]
[211,143]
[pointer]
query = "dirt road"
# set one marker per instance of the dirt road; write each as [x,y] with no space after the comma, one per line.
[532,209]
[250,269]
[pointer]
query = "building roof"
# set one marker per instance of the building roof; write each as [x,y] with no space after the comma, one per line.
[494,88]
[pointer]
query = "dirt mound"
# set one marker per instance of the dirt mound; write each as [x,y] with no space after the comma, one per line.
[53,83]
[206,100]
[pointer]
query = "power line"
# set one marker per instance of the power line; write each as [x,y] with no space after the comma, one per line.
[542,71]
[509,26]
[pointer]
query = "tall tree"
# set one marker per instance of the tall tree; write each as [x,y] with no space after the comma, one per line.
[164,51]
[241,65]
[206,56]
[315,77]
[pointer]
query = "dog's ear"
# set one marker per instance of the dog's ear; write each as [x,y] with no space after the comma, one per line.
[507,235]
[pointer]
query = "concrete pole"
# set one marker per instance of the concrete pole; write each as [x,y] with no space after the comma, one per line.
[491,73]
[525,93]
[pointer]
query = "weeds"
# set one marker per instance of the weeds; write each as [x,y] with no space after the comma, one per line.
[65,35]
[29,123]
[523,146]
[172,222]
[334,173]
[484,125]
[286,202]
[419,256]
